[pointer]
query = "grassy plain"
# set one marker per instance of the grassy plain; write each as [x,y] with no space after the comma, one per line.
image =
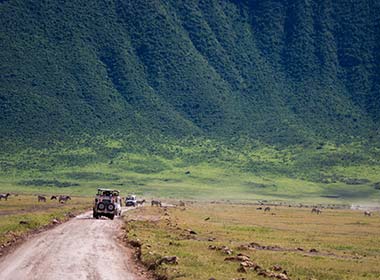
[193,169]
[205,170]
[346,242]
[197,168]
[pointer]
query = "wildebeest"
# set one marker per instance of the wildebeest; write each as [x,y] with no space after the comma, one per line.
[140,202]
[267,209]
[259,208]
[316,210]
[64,198]
[367,213]
[156,203]
[41,198]
[181,203]
[4,195]
[53,197]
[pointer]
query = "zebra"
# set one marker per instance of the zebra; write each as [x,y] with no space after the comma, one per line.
[367,213]
[140,202]
[41,198]
[156,203]
[4,195]
[64,198]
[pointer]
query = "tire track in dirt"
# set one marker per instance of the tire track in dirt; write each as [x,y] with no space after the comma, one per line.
[82,248]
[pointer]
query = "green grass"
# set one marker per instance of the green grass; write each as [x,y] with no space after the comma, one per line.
[216,171]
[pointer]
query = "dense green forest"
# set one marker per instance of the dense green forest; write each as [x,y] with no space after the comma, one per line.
[269,97]
[279,71]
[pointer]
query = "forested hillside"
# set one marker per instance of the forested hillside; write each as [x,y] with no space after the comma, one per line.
[278,71]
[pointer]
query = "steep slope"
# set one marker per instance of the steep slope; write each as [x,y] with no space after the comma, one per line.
[281,71]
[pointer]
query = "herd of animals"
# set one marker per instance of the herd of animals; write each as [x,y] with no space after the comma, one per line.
[65,198]
[61,198]
[315,210]
[41,198]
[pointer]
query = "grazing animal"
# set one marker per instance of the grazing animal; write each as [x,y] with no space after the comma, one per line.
[64,198]
[140,202]
[4,195]
[181,203]
[53,197]
[316,210]
[267,209]
[41,198]
[259,208]
[156,203]
[367,213]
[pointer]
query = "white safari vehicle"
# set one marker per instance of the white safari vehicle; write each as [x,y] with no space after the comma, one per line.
[107,203]
[130,200]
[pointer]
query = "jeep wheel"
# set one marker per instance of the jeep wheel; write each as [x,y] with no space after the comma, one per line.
[111,217]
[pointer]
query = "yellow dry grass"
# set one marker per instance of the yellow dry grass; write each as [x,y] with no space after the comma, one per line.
[347,242]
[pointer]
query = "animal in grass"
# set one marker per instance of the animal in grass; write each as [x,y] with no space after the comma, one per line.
[156,203]
[4,195]
[367,213]
[182,204]
[53,197]
[267,209]
[316,210]
[259,208]
[140,202]
[41,198]
[64,198]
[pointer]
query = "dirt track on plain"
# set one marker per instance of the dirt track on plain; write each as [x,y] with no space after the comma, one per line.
[82,248]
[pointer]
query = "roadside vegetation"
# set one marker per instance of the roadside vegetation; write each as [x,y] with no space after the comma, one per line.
[21,215]
[337,244]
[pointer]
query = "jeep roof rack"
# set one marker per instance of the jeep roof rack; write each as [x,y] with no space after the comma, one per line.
[101,190]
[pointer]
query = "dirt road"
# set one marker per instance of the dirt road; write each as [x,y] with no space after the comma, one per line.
[83,248]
